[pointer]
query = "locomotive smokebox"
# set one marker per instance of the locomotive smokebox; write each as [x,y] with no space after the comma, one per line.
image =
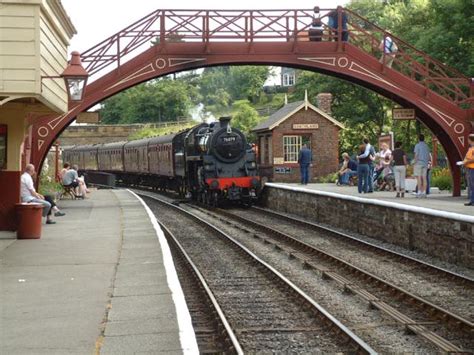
[225,121]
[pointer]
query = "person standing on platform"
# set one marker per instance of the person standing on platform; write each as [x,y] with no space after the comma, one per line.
[29,195]
[468,163]
[369,153]
[305,160]
[420,169]
[399,158]
[363,170]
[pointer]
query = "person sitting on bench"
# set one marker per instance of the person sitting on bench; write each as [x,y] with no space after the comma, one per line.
[29,194]
[71,180]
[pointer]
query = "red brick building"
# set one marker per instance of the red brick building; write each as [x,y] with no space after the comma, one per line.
[281,136]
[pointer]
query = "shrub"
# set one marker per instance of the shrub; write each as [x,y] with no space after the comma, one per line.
[442,179]
[47,183]
[330,178]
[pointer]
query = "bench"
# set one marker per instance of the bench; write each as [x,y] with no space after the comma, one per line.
[68,191]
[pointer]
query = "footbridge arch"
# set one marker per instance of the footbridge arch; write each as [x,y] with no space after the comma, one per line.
[190,39]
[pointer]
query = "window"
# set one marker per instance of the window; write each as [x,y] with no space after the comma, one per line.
[288,80]
[291,148]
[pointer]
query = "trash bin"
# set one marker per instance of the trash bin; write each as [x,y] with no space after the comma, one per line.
[29,220]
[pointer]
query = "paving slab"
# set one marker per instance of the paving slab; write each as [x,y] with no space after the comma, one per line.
[135,344]
[95,282]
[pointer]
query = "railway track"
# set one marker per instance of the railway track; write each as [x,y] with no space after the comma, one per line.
[444,329]
[265,310]
[213,332]
[363,244]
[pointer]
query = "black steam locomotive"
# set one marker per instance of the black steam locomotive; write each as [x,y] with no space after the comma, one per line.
[210,163]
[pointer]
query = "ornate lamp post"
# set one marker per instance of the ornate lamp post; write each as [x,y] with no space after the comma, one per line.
[75,78]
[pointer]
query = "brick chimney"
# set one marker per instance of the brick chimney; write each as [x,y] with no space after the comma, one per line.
[324,101]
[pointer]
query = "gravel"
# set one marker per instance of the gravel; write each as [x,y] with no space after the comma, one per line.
[378,330]
[442,291]
[265,318]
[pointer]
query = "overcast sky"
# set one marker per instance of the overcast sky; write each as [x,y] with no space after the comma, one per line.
[96,20]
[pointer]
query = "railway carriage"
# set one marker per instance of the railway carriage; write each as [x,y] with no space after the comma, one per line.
[110,157]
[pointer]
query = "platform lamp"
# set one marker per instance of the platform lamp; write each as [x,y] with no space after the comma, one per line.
[75,78]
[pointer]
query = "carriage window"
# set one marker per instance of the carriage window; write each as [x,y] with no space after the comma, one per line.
[291,148]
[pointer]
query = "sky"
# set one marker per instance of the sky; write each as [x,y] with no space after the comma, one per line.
[96,20]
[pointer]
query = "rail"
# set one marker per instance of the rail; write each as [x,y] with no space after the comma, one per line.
[251,26]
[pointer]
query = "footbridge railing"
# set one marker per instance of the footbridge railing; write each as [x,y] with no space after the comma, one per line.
[253,26]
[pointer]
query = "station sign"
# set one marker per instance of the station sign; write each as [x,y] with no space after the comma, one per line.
[282,170]
[305,126]
[399,113]
[88,117]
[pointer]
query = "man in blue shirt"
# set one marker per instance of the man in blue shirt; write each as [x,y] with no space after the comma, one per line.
[305,159]
[420,169]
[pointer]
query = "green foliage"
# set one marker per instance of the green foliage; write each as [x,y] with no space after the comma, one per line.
[47,183]
[161,100]
[441,178]
[245,117]
[148,132]
[219,87]
[328,179]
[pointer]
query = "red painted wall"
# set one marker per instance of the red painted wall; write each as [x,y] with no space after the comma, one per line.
[10,188]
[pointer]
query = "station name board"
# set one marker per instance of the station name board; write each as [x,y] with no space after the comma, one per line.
[305,126]
[88,117]
[403,113]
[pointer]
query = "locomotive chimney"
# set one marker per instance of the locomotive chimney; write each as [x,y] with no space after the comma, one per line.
[225,121]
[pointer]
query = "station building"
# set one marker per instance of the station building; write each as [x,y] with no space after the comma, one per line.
[282,135]
[34,40]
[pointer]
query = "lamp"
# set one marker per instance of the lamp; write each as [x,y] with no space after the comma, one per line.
[75,78]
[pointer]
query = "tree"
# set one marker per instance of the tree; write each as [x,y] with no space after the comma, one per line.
[221,86]
[246,82]
[158,100]
[245,117]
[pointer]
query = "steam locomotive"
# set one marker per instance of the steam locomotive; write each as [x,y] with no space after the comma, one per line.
[210,163]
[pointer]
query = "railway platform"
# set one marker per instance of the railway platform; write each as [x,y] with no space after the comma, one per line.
[437,200]
[439,226]
[101,280]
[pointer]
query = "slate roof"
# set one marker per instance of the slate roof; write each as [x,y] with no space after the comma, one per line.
[278,116]
[286,111]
